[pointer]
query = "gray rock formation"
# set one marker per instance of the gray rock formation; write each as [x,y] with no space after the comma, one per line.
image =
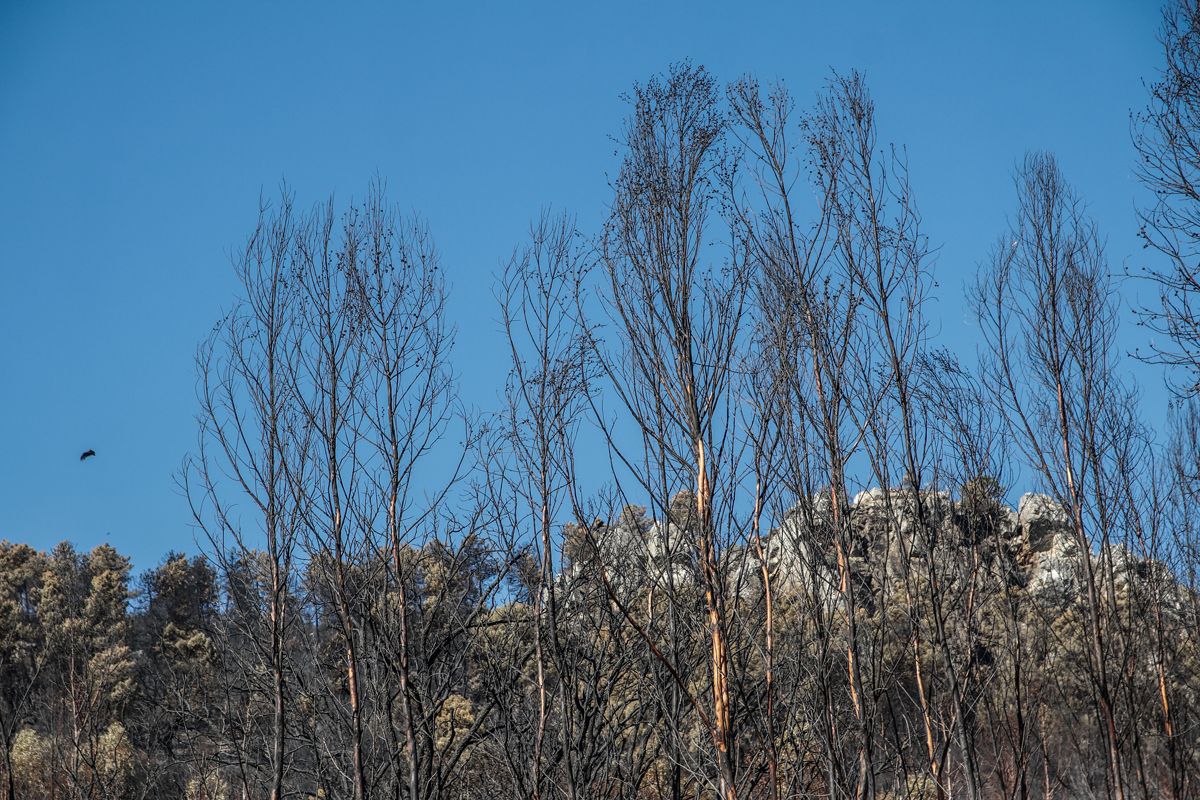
[1032,547]
[1046,548]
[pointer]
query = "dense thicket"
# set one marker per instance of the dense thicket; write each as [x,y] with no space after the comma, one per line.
[738,530]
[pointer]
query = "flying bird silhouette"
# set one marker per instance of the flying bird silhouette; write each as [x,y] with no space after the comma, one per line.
[87,454]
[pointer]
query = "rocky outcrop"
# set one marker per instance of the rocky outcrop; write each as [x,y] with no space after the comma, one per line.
[1046,549]
[1032,547]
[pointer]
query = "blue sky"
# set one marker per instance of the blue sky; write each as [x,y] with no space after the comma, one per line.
[135,140]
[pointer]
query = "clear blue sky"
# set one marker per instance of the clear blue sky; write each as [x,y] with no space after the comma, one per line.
[135,140]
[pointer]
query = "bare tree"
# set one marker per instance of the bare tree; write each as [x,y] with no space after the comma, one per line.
[1166,136]
[330,371]
[541,423]
[1049,319]
[812,312]
[678,322]
[252,447]
[406,405]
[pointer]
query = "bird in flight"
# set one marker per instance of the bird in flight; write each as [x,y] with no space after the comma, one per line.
[87,454]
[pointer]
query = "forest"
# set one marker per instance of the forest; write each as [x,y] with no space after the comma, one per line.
[739,528]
